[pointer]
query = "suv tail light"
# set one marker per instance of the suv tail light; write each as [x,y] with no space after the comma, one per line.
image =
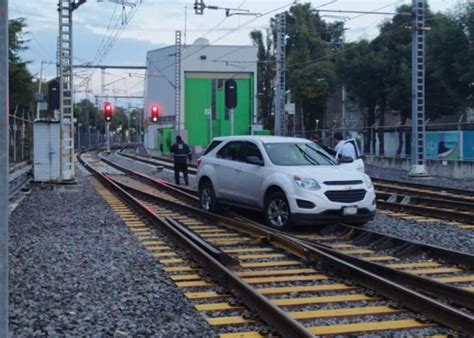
[198,162]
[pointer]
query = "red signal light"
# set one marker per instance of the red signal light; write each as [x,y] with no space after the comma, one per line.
[155,111]
[108,111]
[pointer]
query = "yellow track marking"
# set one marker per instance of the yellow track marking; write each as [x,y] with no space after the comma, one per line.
[302,289]
[189,277]
[164,254]
[269,264]
[193,284]
[204,295]
[414,265]
[274,272]
[171,261]
[263,256]
[241,250]
[457,279]
[371,310]
[366,327]
[178,269]
[433,271]
[321,300]
[234,320]
[215,307]
[246,334]
[274,279]
[380,258]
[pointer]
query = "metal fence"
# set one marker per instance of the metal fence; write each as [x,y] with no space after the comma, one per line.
[20,137]
[452,141]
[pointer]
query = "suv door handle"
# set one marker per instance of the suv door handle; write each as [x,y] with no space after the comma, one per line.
[238,170]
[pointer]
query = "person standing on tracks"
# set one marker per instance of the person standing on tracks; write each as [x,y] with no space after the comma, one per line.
[182,154]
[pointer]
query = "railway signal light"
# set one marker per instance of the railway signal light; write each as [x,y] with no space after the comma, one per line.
[108,111]
[231,94]
[155,111]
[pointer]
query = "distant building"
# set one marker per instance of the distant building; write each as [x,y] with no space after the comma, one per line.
[204,70]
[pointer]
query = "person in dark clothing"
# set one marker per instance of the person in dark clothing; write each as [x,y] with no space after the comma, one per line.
[181,156]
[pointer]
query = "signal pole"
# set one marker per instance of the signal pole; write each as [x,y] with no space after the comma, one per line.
[418,88]
[280,92]
[177,83]
[4,168]
[65,9]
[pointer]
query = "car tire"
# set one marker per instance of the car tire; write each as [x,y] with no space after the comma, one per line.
[277,211]
[207,197]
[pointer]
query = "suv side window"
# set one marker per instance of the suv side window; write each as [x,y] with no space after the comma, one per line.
[212,146]
[251,149]
[230,151]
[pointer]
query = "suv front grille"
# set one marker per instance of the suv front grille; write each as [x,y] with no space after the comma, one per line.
[345,196]
[343,182]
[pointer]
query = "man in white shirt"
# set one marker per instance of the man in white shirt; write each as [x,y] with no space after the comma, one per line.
[345,149]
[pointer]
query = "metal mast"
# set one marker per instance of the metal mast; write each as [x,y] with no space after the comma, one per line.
[65,9]
[4,167]
[280,94]
[418,88]
[177,83]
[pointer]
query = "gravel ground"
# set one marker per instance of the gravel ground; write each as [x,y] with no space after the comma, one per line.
[75,270]
[401,175]
[435,233]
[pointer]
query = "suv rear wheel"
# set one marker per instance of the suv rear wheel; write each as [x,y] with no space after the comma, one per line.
[207,197]
[277,211]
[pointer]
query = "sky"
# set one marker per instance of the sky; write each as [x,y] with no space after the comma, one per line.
[105,34]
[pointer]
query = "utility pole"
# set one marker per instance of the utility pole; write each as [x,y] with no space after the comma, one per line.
[418,88]
[65,9]
[39,91]
[4,168]
[280,92]
[177,83]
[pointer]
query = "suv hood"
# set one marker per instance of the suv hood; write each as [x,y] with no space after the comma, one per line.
[324,173]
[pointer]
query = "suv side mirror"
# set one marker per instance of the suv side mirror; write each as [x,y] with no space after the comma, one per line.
[346,159]
[255,160]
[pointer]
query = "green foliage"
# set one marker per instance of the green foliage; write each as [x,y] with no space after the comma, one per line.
[20,84]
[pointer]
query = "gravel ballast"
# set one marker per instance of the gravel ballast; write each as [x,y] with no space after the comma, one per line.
[76,270]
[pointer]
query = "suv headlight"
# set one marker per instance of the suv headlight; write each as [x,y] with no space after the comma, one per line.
[368,182]
[306,183]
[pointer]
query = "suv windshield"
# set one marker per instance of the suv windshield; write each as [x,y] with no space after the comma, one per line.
[297,154]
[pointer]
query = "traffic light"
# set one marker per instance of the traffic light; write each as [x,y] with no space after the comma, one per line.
[230,94]
[108,111]
[155,111]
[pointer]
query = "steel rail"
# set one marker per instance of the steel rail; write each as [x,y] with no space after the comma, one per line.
[452,215]
[417,199]
[425,186]
[413,300]
[276,318]
[435,196]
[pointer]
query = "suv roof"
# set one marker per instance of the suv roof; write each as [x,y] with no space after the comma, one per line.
[263,139]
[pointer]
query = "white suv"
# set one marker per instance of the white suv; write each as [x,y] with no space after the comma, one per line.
[292,180]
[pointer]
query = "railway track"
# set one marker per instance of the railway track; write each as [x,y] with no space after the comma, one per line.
[285,272]
[408,201]
[18,179]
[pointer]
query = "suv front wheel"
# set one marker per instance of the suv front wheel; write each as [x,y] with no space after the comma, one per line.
[207,197]
[277,211]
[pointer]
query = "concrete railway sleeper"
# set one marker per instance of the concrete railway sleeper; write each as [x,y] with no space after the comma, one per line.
[275,267]
[433,277]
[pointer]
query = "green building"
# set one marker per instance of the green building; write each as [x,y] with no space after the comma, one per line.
[202,112]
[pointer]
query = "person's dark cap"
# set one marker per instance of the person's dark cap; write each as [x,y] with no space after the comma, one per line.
[338,136]
[179,139]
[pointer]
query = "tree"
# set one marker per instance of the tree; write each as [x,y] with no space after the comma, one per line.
[266,73]
[20,79]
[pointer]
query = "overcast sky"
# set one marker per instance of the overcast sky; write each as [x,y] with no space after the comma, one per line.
[152,24]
